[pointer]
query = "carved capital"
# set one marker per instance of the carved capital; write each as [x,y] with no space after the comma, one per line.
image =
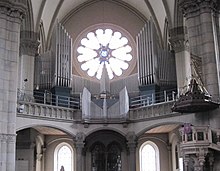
[179,41]
[193,7]
[29,47]
[80,137]
[8,138]
[131,138]
[13,9]
[29,44]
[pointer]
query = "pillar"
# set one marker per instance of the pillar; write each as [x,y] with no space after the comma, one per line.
[180,45]
[79,144]
[132,144]
[11,14]
[28,50]
[200,25]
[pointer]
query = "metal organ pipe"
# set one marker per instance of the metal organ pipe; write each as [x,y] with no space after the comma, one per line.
[145,56]
[148,53]
[63,57]
[138,46]
[152,54]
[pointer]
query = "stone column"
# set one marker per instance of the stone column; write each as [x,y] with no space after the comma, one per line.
[131,138]
[180,45]
[199,22]
[11,14]
[28,50]
[79,144]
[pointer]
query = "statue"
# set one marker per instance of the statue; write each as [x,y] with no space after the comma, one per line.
[62,168]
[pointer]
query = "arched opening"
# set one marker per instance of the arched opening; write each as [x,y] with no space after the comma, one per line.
[149,157]
[63,157]
[105,151]
[44,148]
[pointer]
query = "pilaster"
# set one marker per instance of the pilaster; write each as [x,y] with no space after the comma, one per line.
[79,144]
[132,144]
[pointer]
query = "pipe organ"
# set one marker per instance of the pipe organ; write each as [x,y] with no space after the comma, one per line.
[53,68]
[62,50]
[155,65]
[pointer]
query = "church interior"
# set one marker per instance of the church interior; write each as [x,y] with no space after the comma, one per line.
[109,85]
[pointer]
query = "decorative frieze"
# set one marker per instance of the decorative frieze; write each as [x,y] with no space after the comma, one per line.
[12,9]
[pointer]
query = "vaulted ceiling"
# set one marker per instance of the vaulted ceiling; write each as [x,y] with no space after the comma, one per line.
[48,11]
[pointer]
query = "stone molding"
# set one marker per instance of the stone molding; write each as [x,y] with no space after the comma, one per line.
[13,9]
[193,7]
[7,138]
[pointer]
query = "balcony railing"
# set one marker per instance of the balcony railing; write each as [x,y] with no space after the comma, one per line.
[48,98]
[44,104]
[152,98]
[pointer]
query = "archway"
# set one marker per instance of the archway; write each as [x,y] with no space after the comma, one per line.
[105,151]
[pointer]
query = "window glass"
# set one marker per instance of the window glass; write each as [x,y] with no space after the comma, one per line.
[149,157]
[63,158]
[104,48]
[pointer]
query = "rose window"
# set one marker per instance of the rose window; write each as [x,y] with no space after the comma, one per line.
[104,48]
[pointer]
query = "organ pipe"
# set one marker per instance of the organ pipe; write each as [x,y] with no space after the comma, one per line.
[155,65]
[53,68]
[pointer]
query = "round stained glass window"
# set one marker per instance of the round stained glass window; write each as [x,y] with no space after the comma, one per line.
[104,48]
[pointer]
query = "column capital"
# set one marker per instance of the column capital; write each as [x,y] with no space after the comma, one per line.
[7,138]
[192,7]
[80,138]
[29,43]
[131,137]
[13,9]
[131,141]
[179,40]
